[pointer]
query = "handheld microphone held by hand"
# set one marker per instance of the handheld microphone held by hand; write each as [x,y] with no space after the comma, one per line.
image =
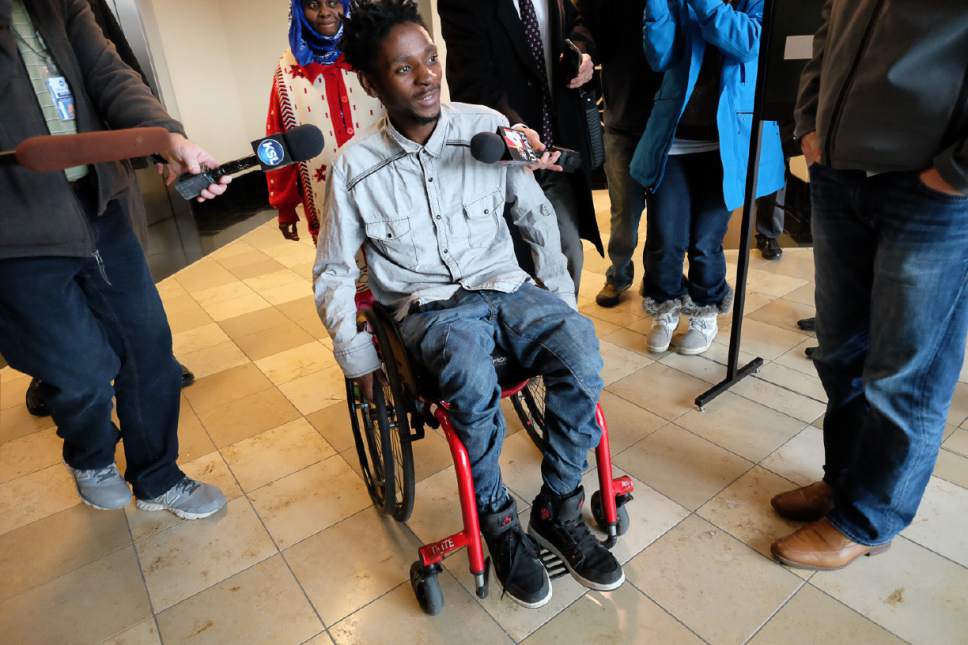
[55,153]
[511,148]
[301,143]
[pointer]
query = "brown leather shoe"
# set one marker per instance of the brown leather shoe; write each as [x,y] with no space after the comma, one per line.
[806,504]
[820,547]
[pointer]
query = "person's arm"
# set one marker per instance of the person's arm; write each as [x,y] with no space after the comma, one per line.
[471,73]
[334,278]
[285,190]
[735,33]
[808,97]
[951,167]
[659,31]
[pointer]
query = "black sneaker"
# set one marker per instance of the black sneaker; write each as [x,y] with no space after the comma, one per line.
[610,295]
[515,558]
[557,525]
[770,249]
[36,399]
[188,377]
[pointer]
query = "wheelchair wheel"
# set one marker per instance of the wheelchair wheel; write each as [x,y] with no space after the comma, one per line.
[599,513]
[529,404]
[426,587]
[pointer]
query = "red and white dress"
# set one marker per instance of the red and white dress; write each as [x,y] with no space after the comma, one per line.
[331,98]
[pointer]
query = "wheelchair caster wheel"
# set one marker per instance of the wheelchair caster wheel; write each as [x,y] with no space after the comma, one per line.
[426,587]
[599,514]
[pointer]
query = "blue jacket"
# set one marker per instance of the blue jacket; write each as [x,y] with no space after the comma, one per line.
[675,37]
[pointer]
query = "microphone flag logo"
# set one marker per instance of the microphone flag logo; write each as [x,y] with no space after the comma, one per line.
[271,153]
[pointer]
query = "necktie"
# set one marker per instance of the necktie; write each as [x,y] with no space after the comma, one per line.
[533,35]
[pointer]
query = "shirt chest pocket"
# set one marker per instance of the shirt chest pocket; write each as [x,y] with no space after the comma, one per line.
[394,239]
[481,216]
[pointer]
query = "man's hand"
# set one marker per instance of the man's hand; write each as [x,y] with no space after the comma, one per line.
[366,383]
[183,156]
[548,159]
[933,180]
[290,231]
[585,72]
[810,146]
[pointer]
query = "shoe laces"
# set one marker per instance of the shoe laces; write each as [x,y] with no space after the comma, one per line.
[580,538]
[185,487]
[668,319]
[705,324]
[511,544]
[99,475]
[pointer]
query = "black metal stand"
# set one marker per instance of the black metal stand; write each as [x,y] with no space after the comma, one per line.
[734,373]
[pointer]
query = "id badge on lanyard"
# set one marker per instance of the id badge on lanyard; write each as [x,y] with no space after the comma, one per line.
[63,98]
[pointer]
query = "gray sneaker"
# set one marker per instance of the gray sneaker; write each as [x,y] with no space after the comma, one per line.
[663,327]
[188,499]
[702,331]
[102,488]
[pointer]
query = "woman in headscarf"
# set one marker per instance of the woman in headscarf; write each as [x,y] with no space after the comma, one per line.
[313,84]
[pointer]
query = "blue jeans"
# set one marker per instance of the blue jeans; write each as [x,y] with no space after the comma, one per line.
[687,216]
[892,313]
[628,199]
[78,326]
[455,340]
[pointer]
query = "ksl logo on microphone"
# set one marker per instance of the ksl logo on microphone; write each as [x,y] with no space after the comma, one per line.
[271,153]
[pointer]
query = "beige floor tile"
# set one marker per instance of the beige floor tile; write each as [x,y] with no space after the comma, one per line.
[801,459]
[170,287]
[958,413]
[271,341]
[230,254]
[773,284]
[630,340]
[766,341]
[230,291]
[224,309]
[193,440]
[620,362]
[202,275]
[952,467]
[198,339]
[252,323]
[660,389]
[213,360]
[210,469]
[796,263]
[289,254]
[913,593]
[742,426]
[603,328]
[521,466]
[35,496]
[317,390]
[806,384]
[248,416]
[957,442]
[784,314]
[941,523]
[430,455]
[697,573]
[320,639]
[743,510]
[700,367]
[16,422]
[268,283]
[8,374]
[275,453]
[627,422]
[333,423]
[145,633]
[56,545]
[29,454]
[263,604]
[683,467]
[185,314]
[192,556]
[306,502]
[781,399]
[256,268]
[298,309]
[13,393]
[621,616]
[796,359]
[225,387]
[397,618]
[812,616]
[296,363]
[720,354]
[87,605]
[626,311]
[353,563]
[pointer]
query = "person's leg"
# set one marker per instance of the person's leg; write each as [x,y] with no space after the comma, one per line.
[559,188]
[769,224]
[627,199]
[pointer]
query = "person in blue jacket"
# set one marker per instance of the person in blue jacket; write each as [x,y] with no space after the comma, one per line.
[693,158]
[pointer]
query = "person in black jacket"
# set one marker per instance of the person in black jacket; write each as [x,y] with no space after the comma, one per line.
[509,56]
[78,307]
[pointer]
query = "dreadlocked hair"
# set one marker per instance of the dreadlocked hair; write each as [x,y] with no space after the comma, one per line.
[368,24]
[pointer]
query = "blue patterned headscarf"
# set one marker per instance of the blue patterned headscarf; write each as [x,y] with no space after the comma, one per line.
[307,44]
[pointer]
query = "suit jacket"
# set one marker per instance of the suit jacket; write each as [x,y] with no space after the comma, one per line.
[40,215]
[489,63]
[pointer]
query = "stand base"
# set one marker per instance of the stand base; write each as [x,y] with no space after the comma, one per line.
[751,368]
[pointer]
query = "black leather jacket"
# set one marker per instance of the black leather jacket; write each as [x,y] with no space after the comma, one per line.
[887,89]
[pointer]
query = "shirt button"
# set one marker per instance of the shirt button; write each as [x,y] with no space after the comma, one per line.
[438,217]
[445,251]
[487,210]
[430,180]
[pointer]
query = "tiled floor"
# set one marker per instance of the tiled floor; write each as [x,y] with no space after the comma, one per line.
[300,555]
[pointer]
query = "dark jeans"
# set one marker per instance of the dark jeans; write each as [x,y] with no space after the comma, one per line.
[78,326]
[892,313]
[769,216]
[687,216]
[628,199]
[455,340]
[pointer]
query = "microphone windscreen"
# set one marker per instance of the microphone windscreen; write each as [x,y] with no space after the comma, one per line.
[487,147]
[53,153]
[304,142]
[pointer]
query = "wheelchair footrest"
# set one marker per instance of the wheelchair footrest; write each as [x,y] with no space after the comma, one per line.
[552,564]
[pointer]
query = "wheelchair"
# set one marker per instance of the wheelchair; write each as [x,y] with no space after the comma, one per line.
[403,405]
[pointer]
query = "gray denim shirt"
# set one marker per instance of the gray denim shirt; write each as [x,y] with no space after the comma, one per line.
[430,220]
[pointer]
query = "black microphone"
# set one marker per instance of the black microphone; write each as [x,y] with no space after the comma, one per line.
[510,147]
[301,143]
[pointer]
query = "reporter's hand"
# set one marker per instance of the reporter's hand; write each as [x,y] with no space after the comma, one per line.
[548,159]
[585,72]
[933,180]
[810,146]
[367,382]
[290,231]
[183,156]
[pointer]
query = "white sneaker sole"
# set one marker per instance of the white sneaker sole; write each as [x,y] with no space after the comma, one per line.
[104,508]
[532,605]
[694,351]
[585,582]
[185,515]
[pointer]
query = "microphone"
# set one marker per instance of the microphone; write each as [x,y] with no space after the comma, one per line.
[55,153]
[301,143]
[510,147]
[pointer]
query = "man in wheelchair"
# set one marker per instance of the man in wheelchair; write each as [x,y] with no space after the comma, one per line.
[430,221]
